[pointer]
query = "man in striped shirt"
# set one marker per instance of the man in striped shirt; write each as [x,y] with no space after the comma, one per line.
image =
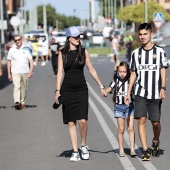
[148,65]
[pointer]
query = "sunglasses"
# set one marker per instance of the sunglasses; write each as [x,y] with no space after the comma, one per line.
[17,40]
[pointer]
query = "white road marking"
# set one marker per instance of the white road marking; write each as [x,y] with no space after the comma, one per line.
[147,164]
[113,141]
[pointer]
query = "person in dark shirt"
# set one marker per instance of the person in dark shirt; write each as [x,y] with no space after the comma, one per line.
[54,50]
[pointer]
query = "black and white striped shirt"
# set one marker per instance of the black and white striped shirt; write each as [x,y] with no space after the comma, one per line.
[147,64]
[122,91]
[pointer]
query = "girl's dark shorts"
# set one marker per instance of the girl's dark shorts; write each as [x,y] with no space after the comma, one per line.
[150,108]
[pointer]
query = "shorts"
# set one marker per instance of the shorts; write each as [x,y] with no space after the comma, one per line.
[150,108]
[39,53]
[115,52]
[123,110]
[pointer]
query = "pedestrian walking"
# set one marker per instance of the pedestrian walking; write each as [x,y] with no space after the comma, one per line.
[122,112]
[148,65]
[115,49]
[39,52]
[54,50]
[128,44]
[1,71]
[72,58]
[20,69]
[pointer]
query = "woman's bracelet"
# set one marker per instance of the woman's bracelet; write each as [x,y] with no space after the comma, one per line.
[56,90]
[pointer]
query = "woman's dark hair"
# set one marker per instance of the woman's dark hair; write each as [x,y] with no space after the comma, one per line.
[80,52]
[145,26]
[115,77]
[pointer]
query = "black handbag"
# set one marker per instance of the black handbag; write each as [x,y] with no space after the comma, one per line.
[60,101]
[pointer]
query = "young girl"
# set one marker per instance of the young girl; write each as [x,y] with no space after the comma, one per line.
[121,110]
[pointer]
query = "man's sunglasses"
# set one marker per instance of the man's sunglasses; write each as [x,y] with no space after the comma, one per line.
[17,40]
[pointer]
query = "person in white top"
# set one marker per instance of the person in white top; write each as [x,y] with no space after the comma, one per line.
[20,69]
[39,53]
[115,49]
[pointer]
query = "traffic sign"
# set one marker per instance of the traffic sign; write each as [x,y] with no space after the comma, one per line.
[158,19]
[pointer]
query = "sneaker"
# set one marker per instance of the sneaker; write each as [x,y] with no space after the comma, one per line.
[43,64]
[155,149]
[17,106]
[35,63]
[84,152]
[146,155]
[75,157]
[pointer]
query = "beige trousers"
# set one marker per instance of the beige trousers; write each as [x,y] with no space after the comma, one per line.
[20,82]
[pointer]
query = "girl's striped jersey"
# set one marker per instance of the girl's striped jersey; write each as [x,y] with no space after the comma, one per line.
[122,92]
[148,64]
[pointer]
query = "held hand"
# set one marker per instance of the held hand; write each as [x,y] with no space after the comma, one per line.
[104,93]
[1,73]
[127,100]
[162,94]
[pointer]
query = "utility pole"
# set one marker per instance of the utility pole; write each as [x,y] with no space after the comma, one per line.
[44,17]
[146,11]
[2,29]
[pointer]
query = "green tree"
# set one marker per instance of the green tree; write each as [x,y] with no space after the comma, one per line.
[51,15]
[137,13]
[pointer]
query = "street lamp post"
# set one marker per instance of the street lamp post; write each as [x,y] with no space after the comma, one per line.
[44,17]
[146,11]
[2,29]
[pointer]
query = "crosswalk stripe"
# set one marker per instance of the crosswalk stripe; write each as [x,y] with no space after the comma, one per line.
[148,165]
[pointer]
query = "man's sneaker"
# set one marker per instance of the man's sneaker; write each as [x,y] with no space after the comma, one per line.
[155,149]
[146,155]
[75,157]
[84,152]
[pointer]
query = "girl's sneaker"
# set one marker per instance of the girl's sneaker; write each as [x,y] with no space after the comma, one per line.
[146,155]
[75,157]
[84,152]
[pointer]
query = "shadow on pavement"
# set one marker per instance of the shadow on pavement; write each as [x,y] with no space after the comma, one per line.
[27,106]
[4,79]
[67,153]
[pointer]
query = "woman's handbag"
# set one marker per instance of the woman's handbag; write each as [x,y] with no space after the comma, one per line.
[60,101]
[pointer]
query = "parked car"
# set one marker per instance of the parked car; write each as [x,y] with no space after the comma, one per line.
[156,38]
[60,37]
[97,39]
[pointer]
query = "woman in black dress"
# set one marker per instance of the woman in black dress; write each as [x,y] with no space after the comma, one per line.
[72,58]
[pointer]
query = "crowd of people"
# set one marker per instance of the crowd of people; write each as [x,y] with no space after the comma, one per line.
[138,88]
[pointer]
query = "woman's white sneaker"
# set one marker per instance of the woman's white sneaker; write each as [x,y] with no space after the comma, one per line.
[84,152]
[75,157]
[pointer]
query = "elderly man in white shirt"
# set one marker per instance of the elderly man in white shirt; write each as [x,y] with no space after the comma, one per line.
[20,69]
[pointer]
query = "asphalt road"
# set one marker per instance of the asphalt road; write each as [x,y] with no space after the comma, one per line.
[36,139]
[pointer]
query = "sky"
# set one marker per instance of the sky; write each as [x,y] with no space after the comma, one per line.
[67,7]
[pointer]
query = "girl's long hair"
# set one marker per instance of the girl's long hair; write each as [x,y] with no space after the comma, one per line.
[115,77]
[80,52]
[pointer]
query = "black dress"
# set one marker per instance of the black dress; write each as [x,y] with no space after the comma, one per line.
[74,90]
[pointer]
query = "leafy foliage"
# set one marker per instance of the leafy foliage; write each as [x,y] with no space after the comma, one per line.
[137,13]
[52,16]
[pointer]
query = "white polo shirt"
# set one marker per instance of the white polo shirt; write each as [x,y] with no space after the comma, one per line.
[19,58]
